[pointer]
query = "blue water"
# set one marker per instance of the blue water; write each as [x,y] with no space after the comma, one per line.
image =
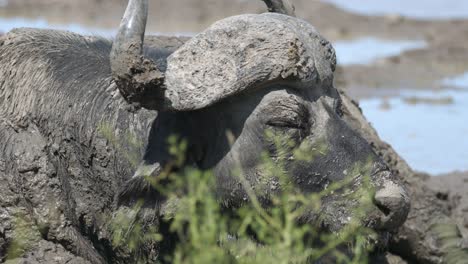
[420,9]
[458,81]
[431,138]
[367,50]
[7,24]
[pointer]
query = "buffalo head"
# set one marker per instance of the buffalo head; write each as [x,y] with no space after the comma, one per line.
[228,86]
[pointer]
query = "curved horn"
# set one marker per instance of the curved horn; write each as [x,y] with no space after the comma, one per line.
[138,79]
[281,6]
[247,52]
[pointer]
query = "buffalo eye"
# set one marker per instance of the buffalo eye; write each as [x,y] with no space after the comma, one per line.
[286,123]
[288,114]
[295,126]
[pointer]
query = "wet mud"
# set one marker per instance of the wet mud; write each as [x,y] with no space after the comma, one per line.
[436,200]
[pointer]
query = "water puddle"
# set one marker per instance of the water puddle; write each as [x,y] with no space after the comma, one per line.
[420,9]
[367,50]
[428,129]
[460,81]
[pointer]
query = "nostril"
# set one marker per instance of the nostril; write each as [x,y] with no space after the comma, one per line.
[383,208]
[393,202]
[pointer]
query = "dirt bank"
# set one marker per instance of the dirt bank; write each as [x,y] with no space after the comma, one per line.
[446,54]
[454,187]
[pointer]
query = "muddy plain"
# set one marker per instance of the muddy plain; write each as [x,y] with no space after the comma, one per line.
[426,76]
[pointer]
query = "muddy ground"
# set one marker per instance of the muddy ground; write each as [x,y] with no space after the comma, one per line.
[446,53]
[454,187]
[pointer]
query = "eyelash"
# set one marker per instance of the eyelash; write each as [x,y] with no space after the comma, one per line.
[296,119]
[286,124]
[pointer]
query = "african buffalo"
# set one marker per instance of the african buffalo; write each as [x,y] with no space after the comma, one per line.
[243,75]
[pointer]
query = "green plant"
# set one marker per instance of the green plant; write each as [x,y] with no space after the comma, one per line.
[449,240]
[253,233]
[25,236]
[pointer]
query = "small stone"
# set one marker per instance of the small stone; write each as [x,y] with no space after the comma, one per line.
[394,19]
[393,259]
